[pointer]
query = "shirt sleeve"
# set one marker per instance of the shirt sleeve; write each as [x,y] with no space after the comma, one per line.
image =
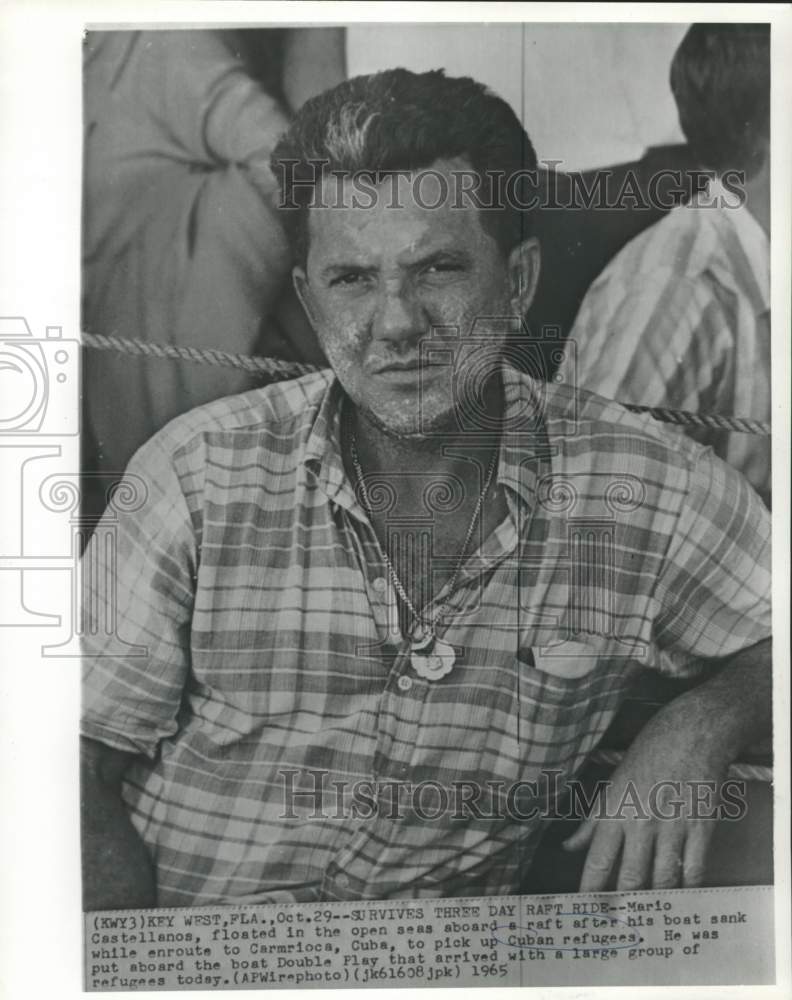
[714,588]
[658,340]
[141,565]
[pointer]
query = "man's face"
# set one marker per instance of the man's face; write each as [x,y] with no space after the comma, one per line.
[378,279]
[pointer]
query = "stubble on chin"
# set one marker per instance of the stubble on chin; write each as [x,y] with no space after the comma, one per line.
[421,429]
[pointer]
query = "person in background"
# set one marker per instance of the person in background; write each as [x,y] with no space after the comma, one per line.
[181,240]
[681,316]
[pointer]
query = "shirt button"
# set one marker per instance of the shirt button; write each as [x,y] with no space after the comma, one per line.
[380,584]
[404,683]
[343,881]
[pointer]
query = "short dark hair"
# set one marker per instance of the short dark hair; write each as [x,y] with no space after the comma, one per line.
[720,78]
[397,120]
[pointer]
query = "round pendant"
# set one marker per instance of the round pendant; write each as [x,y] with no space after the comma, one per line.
[434,663]
[421,637]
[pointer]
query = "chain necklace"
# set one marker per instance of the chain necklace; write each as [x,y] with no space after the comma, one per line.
[431,658]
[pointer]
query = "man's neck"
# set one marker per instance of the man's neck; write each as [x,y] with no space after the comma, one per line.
[445,452]
[447,481]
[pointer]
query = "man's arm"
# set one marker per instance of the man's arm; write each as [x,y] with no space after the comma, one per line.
[693,739]
[117,870]
[134,675]
[711,605]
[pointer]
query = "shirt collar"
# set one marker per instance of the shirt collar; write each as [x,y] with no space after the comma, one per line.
[525,447]
[323,454]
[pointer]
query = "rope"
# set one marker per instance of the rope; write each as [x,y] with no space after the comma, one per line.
[743,425]
[202,355]
[739,771]
[281,370]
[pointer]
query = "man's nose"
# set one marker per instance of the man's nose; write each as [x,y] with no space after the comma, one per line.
[399,314]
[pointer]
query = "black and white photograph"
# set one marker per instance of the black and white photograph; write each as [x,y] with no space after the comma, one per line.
[408,528]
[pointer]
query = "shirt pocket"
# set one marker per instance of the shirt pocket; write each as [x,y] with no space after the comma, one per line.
[569,660]
[569,693]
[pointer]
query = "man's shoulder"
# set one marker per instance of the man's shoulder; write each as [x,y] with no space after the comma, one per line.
[632,469]
[681,243]
[593,435]
[283,410]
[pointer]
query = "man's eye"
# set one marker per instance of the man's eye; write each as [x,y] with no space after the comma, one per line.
[347,280]
[446,267]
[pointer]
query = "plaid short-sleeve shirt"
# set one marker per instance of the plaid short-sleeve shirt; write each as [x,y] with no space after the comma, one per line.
[289,750]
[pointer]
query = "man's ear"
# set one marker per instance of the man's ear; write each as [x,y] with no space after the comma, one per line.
[303,290]
[524,267]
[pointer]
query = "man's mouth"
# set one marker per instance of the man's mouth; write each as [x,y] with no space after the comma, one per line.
[406,366]
[411,365]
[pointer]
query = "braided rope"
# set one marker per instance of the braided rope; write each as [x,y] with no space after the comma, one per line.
[201,355]
[738,771]
[279,369]
[743,425]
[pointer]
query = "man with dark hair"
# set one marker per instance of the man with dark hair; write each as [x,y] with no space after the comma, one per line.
[720,79]
[369,644]
[681,316]
[500,162]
